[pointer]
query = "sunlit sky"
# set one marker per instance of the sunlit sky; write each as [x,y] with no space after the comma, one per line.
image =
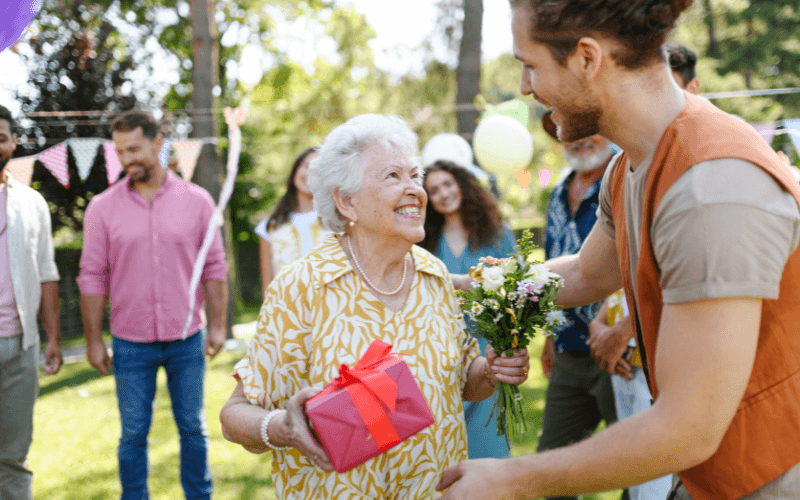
[400,28]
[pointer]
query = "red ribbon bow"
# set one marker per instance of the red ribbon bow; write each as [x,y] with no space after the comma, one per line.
[368,385]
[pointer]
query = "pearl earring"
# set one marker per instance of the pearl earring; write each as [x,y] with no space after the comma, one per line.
[352,224]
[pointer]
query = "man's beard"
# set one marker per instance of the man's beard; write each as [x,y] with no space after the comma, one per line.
[579,123]
[144,176]
[580,117]
[4,162]
[598,159]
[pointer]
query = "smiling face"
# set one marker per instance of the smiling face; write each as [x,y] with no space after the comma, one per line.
[443,191]
[301,175]
[575,111]
[137,154]
[391,201]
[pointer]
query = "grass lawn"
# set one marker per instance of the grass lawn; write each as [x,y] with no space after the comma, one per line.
[76,431]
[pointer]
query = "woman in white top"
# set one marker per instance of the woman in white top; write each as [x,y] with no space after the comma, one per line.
[293,229]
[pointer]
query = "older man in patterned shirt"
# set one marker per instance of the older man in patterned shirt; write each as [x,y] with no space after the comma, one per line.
[580,393]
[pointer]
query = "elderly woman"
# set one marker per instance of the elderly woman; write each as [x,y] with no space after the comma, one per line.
[367,282]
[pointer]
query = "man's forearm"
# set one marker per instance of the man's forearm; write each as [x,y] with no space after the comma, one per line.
[579,287]
[49,311]
[92,308]
[638,449]
[216,294]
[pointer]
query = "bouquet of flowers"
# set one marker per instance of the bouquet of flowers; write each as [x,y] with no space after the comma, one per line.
[512,298]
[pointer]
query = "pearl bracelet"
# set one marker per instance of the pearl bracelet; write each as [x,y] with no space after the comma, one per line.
[265,431]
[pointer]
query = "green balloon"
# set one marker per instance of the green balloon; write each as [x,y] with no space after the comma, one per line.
[514,108]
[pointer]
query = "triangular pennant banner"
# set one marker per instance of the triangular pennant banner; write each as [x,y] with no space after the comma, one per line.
[55,160]
[85,152]
[113,167]
[766,130]
[793,127]
[21,169]
[188,151]
[163,155]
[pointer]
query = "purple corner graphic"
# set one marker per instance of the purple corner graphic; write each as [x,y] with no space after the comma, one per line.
[15,16]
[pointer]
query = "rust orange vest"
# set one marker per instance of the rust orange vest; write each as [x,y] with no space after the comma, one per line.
[763,440]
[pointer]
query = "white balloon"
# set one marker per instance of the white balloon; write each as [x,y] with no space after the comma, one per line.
[451,147]
[502,144]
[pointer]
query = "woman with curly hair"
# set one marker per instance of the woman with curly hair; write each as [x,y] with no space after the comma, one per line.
[463,224]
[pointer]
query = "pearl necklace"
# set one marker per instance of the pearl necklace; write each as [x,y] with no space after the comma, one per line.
[364,275]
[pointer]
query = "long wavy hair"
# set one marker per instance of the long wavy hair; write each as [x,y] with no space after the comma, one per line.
[479,212]
[288,202]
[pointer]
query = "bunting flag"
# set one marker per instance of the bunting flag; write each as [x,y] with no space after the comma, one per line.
[766,130]
[21,169]
[113,167]
[188,151]
[84,151]
[55,160]
[793,129]
[163,155]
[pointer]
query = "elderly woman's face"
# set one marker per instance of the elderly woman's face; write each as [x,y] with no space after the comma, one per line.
[391,200]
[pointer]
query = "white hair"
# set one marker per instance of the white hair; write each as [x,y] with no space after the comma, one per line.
[340,161]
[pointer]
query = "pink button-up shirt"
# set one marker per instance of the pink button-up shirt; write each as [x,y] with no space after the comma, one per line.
[141,256]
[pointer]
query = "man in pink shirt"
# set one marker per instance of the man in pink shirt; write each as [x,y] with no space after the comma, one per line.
[141,239]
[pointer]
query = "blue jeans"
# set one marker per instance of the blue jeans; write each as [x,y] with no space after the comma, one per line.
[135,368]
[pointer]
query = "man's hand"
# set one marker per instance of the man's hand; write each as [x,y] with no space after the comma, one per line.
[547,357]
[476,480]
[215,339]
[98,357]
[53,358]
[609,343]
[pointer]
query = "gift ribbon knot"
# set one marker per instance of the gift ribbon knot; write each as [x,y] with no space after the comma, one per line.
[368,386]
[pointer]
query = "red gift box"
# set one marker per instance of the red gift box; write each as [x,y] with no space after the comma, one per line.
[368,409]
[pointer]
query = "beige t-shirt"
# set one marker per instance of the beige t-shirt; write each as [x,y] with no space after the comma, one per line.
[724,229]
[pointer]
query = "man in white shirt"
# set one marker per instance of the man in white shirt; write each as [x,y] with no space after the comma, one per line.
[28,281]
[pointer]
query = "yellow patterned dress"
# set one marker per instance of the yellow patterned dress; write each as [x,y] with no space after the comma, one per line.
[319,314]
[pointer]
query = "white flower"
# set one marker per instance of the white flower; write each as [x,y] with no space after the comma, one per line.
[555,319]
[477,309]
[493,278]
[540,275]
[492,304]
[509,266]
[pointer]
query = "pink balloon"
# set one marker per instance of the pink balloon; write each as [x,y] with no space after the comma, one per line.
[544,177]
[15,16]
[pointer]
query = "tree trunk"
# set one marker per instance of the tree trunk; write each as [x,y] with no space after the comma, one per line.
[713,48]
[468,73]
[209,171]
[748,77]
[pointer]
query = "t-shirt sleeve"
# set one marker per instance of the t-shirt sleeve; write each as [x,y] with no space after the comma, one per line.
[605,217]
[725,229]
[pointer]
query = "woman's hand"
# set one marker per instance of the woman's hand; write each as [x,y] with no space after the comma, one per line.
[297,433]
[511,370]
